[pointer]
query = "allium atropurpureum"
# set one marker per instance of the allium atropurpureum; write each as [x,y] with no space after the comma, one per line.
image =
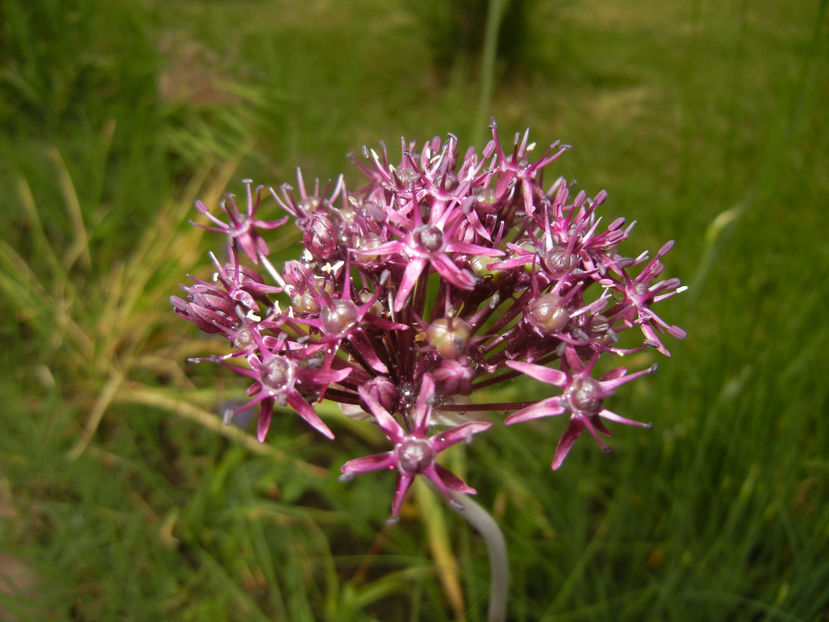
[415,294]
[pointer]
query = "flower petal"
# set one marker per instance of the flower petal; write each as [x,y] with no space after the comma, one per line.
[452,481]
[265,416]
[423,407]
[612,416]
[463,432]
[382,417]
[404,480]
[309,414]
[374,462]
[407,283]
[566,441]
[452,273]
[545,408]
[540,372]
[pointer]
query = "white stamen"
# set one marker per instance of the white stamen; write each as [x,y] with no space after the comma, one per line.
[274,274]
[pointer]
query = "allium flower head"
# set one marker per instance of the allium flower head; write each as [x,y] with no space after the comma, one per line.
[416,295]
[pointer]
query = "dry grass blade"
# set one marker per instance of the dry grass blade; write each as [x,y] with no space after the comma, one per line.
[111,327]
[134,301]
[439,544]
[80,246]
[96,414]
[42,245]
[132,393]
[30,295]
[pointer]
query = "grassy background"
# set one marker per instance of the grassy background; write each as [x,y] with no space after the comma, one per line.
[123,498]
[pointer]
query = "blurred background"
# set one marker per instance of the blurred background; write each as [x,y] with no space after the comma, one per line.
[122,497]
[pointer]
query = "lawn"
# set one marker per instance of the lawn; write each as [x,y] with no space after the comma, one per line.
[122,495]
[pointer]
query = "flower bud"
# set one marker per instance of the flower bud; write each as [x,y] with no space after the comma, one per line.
[241,337]
[383,390]
[339,316]
[486,196]
[448,336]
[453,377]
[559,261]
[320,237]
[548,313]
[304,303]
[479,265]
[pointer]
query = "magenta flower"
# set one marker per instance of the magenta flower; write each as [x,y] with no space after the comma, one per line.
[428,244]
[242,229]
[640,295]
[446,274]
[414,452]
[583,396]
[284,377]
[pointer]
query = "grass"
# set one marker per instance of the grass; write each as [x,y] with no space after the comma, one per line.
[125,499]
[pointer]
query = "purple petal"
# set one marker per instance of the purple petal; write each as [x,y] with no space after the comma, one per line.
[612,416]
[452,481]
[248,244]
[384,324]
[374,462]
[463,432]
[617,372]
[573,359]
[423,407]
[309,414]
[366,350]
[473,249]
[652,340]
[265,416]
[515,262]
[592,429]
[566,441]
[404,480]
[608,384]
[203,209]
[545,408]
[452,273]
[387,248]
[407,283]
[323,376]
[540,372]
[382,417]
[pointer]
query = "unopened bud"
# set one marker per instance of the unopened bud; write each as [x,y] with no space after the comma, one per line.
[548,313]
[448,336]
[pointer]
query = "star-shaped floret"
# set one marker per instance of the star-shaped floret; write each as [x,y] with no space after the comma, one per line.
[242,229]
[414,452]
[583,397]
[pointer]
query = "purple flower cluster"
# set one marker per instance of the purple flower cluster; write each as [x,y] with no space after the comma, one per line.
[439,278]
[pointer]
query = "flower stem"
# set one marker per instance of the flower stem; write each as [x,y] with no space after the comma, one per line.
[496,546]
